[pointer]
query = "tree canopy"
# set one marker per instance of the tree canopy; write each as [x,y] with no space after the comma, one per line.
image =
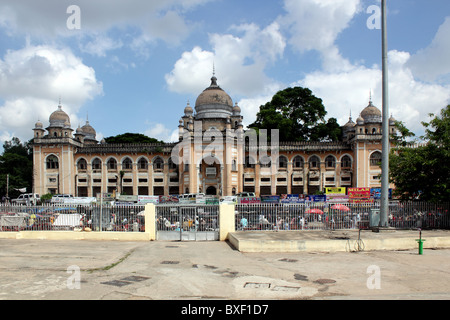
[298,115]
[17,162]
[131,138]
[424,170]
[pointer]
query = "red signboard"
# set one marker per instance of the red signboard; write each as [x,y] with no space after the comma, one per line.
[359,193]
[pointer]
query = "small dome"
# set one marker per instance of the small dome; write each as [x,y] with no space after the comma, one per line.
[79,130]
[39,125]
[371,114]
[392,121]
[360,120]
[350,124]
[59,118]
[88,130]
[236,110]
[188,111]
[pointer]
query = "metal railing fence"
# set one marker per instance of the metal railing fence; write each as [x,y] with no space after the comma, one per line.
[186,217]
[54,217]
[260,216]
[334,216]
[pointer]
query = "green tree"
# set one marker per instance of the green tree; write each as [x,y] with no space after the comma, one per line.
[17,162]
[425,169]
[131,138]
[298,115]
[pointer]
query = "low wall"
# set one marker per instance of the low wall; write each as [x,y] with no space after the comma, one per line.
[76,235]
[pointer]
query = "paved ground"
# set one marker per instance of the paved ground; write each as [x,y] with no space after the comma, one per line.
[100,270]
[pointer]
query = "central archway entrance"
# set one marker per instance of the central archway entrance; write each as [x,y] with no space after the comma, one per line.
[211,191]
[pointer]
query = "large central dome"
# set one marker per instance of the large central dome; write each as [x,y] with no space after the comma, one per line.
[213,102]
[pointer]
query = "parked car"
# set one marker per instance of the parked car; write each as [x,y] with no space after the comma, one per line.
[27,198]
[60,198]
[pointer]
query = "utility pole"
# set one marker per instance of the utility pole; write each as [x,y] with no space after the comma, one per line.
[384,205]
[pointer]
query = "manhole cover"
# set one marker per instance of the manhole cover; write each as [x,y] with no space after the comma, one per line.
[325,281]
[116,283]
[300,277]
[288,260]
[135,278]
[286,289]
[256,285]
[170,262]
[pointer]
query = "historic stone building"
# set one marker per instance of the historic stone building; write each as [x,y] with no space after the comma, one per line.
[214,156]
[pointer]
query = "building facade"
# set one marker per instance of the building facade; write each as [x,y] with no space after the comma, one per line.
[214,155]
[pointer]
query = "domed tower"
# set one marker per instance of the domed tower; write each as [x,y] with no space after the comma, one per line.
[89,133]
[39,131]
[349,129]
[369,121]
[59,124]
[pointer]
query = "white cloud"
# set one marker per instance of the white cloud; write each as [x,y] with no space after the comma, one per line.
[432,62]
[31,81]
[315,24]
[48,19]
[347,91]
[100,45]
[161,132]
[240,62]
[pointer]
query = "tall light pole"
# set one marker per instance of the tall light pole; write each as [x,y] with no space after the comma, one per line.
[384,209]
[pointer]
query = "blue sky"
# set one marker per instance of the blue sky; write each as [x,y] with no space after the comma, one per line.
[133,65]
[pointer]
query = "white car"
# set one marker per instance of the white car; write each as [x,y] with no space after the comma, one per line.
[27,198]
[60,198]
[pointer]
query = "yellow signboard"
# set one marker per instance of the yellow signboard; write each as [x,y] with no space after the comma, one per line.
[335,190]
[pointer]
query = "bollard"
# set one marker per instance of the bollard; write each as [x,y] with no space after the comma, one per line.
[420,241]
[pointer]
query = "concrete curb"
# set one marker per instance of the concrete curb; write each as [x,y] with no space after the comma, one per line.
[262,244]
[72,235]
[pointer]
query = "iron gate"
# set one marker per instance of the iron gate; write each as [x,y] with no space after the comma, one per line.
[187,222]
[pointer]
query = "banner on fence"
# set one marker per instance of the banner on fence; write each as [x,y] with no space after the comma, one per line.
[148,199]
[316,198]
[292,198]
[270,199]
[375,193]
[168,199]
[246,200]
[358,193]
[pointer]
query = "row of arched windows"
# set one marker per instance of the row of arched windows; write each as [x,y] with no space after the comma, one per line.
[299,162]
[127,164]
[265,162]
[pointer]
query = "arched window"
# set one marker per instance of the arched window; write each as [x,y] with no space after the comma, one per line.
[52,162]
[82,164]
[314,162]
[298,162]
[97,164]
[375,158]
[142,164]
[158,164]
[127,164]
[282,162]
[346,162]
[112,164]
[330,162]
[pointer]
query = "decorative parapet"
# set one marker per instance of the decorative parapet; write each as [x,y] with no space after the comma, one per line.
[303,146]
[127,148]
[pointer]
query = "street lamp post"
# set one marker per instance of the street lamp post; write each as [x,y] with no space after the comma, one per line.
[384,209]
